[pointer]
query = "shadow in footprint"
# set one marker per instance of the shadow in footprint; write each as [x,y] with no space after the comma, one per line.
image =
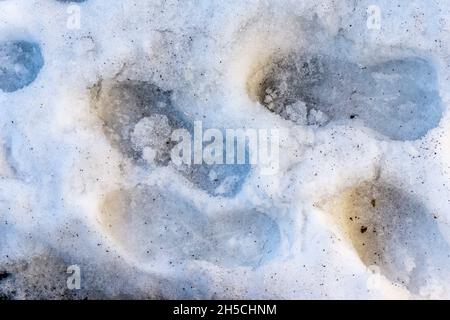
[398,98]
[20,63]
[139,120]
[137,114]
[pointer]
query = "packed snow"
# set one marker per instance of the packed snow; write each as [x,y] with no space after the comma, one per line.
[357,205]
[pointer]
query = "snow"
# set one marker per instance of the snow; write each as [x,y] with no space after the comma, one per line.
[357,206]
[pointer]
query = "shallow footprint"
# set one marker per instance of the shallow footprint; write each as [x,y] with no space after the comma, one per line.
[156,228]
[398,98]
[391,229]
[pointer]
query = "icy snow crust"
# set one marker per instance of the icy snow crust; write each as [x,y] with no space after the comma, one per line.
[358,209]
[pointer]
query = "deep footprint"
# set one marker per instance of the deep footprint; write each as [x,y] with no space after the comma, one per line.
[393,230]
[20,64]
[154,228]
[397,98]
[131,109]
[139,119]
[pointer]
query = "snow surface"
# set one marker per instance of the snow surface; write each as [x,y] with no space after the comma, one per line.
[360,206]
